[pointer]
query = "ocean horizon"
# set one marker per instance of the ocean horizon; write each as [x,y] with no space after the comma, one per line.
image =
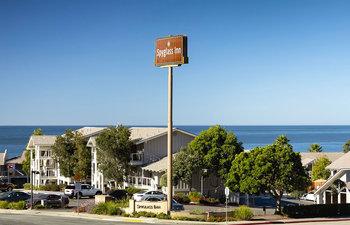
[330,137]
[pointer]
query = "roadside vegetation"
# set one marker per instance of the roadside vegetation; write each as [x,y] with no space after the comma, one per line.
[48,187]
[21,205]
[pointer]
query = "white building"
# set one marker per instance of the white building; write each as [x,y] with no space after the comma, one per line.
[42,161]
[336,189]
[151,146]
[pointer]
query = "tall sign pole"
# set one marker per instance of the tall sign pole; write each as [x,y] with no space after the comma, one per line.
[170,52]
[170,138]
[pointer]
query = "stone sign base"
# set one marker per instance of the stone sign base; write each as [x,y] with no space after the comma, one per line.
[146,206]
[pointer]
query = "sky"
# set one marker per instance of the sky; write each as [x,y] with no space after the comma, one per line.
[250,62]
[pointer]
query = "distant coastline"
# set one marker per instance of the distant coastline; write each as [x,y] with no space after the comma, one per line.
[330,137]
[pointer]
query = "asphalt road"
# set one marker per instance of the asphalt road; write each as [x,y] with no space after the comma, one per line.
[8,219]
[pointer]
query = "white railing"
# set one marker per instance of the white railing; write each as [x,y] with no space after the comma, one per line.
[141,182]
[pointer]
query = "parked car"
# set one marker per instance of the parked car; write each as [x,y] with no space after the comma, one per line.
[49,200]
[5,186]
[157,194]
[138,196]
[118,194]
[14,196]
[86,191]
[175,205]
[309,196]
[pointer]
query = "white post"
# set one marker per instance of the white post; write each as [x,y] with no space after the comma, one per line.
[170,141]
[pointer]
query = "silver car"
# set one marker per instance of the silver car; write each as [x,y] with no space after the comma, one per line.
[156,194]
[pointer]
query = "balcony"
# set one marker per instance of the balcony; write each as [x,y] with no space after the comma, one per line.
[146,183]
[136,159]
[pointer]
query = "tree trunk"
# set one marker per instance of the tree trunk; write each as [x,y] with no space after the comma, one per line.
[278,198]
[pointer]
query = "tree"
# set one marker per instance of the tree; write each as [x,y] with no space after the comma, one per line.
[73,156]
[346,147]
[184,164]
[213,149]
[274,168]
[113,152]
[319,170]
[26,161]
[315,148]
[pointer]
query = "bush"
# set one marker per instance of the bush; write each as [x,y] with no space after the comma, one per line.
[27,186]
[163,216]
[4,205]
[144,214]
[17,205]
[107,208]
[321,210]
[48,187]
[243,213]
[185,218]
[182,198]
[197,211]
[39,206]
[209,201]
[132,190]
[195,196]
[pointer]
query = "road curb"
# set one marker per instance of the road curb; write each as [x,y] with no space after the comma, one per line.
[155,220]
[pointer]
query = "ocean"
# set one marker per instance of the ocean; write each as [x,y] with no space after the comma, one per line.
[331,138]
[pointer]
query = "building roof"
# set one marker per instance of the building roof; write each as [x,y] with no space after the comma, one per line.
[158,166]
[90,131]
[3,156]
[18,159]
[309,157]
[142,134]
[341,163]
[43,140]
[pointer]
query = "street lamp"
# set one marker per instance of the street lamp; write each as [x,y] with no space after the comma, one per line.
[31,188]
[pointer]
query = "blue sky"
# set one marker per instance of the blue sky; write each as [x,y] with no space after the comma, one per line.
[251,62]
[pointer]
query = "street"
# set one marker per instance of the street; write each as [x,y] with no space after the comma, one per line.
[23,219]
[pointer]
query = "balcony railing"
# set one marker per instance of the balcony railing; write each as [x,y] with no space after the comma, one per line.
[136,159]
[141,182]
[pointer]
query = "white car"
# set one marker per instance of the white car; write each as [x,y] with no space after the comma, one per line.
[309,196]
[86,191]
[138,196]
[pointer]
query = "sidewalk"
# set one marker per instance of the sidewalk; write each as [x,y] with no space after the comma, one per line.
[155,220]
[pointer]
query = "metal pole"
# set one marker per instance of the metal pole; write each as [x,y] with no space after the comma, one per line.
[170,140]
[226,209]
[31,179]
[202,185]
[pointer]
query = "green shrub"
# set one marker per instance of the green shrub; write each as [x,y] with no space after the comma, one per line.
[39,206]
[195,196]
[197,211]
[243,213]
[123,203]
[144,214]
[17,205]
[132,190]
[107,208]
[182,198]
[188,218]
[163,216]
[4,205]
[209,201]
[27,186]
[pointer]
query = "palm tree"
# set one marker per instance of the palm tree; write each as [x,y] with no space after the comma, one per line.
[315,148]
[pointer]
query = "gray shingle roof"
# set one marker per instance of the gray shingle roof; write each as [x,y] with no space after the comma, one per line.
[341,163]
[310,157]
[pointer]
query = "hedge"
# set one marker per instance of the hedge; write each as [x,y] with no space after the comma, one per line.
[321,210]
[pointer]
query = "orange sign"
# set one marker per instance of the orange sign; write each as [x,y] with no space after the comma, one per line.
[171,51]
